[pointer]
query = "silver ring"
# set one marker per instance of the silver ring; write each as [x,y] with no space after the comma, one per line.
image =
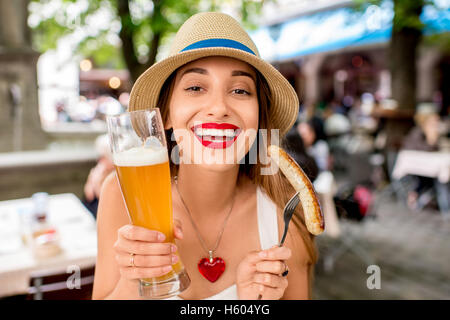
[286,270]
[132,260]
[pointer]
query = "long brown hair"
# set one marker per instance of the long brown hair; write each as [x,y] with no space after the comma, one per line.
[276,186]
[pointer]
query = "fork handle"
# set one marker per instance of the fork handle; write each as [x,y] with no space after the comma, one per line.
[284,236]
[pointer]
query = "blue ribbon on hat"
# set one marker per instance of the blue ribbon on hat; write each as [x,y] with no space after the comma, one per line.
[210,43]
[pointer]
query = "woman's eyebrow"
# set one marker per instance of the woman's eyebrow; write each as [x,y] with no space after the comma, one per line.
[195,70]
[237,73]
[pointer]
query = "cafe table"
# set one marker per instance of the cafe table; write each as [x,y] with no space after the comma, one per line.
[75,226]
[434,165]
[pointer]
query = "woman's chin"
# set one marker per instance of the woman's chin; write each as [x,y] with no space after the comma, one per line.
[214,155]
[216,159]
[217,167]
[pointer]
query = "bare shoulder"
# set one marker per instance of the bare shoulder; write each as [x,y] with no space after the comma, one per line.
[111,206]
[111,215]
[111,200]
[110,185]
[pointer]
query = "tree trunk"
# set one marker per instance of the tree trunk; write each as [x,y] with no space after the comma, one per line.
[14,31]
[19,120]
[403,66]
[403,55]
[126,35]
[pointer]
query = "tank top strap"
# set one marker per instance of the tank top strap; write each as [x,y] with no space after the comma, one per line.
[267,220]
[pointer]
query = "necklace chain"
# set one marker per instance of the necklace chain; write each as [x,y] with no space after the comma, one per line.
[202,242]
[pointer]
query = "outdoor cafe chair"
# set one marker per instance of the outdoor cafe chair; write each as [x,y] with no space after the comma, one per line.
[49,285]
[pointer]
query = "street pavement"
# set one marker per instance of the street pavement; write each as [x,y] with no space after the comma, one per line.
[411,249]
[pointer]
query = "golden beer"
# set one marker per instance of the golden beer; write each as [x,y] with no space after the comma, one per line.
[144,177]
[139,152]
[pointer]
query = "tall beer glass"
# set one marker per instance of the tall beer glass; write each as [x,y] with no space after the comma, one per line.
[141,159]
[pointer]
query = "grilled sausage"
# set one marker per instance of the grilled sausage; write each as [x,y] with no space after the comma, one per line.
[299,180]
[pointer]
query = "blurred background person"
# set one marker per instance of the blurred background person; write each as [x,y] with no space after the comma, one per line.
[61,111]
[296,149]
[423,137]
[314,139]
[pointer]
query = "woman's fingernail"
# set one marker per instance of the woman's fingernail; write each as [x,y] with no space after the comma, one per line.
[174,258]
[166,269]
[263,254]
[161,236]
[173,248]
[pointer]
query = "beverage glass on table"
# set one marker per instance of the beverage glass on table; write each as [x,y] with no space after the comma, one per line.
[141,160]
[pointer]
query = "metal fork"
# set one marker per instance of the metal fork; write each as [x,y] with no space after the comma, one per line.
[287,214]
[288,210]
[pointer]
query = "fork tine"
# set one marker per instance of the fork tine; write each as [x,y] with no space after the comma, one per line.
[294,201]
[289,203]
[293,206]
[297,201]
[287,214]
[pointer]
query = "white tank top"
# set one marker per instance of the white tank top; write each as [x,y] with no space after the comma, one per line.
[268,237]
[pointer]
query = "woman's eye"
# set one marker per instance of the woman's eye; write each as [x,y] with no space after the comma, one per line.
[241,91]
[194,88]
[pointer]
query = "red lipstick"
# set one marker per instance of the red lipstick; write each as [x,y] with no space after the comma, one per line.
[216,135]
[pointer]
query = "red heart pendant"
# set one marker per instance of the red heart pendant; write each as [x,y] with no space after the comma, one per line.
[211,270]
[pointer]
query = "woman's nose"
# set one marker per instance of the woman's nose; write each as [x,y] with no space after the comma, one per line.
[217,106]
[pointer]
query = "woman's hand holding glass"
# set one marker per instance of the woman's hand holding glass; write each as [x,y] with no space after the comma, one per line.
[142,253]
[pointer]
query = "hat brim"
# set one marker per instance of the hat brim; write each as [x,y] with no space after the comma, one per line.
[283,111]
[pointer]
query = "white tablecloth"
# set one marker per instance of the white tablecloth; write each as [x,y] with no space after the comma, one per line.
[421,163]
[78,240]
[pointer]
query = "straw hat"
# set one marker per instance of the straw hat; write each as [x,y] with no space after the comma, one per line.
[216,34]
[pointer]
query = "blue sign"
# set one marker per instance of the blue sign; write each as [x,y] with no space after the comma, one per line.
[340,28]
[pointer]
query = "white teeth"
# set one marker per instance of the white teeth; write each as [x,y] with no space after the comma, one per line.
[218,139]
[215,132]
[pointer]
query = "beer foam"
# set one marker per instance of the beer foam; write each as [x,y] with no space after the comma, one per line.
[140,156]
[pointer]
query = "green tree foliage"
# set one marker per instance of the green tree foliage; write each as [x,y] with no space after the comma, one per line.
[135,33]
[406,12]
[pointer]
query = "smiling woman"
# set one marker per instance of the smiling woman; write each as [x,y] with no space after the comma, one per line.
[214,100]
[219,101]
